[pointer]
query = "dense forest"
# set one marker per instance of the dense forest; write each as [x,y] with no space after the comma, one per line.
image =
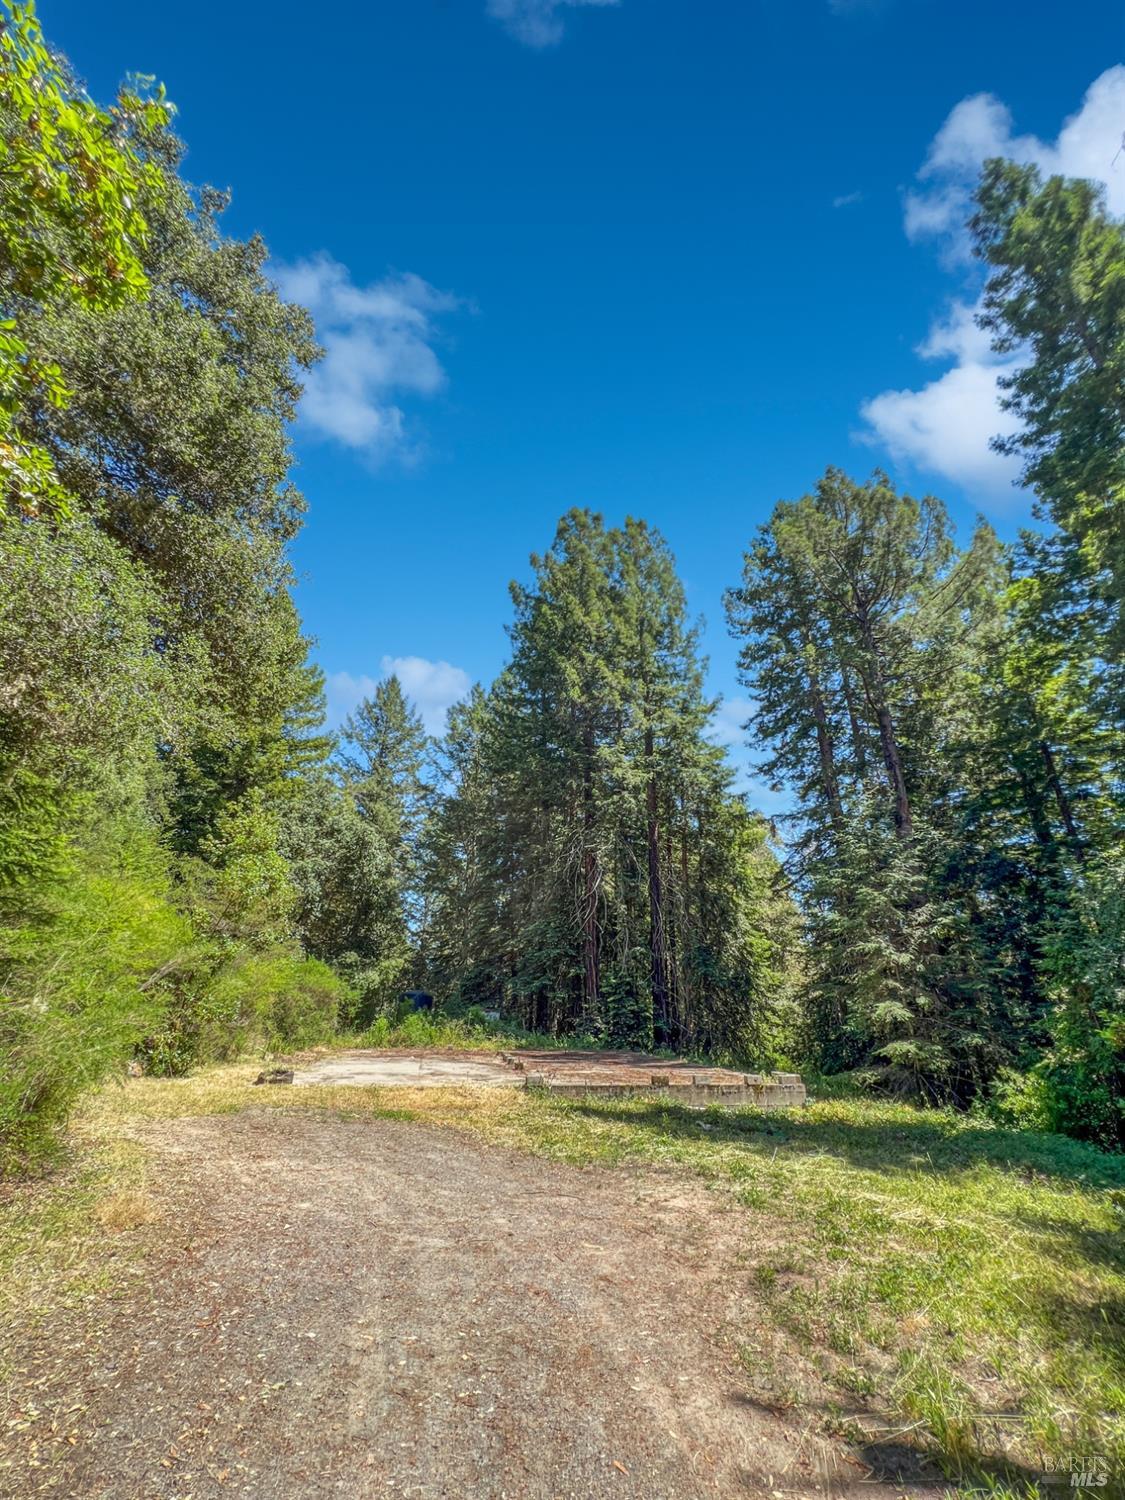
[191,865]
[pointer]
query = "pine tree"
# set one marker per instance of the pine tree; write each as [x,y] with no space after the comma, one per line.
[383,757]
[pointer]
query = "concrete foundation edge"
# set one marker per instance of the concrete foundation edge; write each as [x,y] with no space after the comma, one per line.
[769,1091]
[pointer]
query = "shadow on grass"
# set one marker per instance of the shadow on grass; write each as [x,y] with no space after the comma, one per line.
[1099,1324]
[1098,1246]
[897,1453]
[936,1143]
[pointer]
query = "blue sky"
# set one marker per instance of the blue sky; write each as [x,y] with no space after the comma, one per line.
[654,257]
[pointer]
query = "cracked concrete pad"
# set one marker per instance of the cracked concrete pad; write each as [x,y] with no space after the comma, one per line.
[374,1069]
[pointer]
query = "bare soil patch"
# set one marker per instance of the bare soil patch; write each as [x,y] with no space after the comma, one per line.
[328,1307]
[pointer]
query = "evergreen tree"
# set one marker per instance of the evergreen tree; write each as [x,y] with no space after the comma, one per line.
[383,760]
[384,756]
[857,596]
[1057,289]
[590,868]
[1056,293]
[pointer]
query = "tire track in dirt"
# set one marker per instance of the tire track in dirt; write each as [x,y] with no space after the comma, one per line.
[360,1309]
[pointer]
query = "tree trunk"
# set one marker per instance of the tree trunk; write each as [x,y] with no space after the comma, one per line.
[1066,812]
[859,749]
[904,819]
[1036,812]
[590,882]
[875,691]
[827,755]
[656,908]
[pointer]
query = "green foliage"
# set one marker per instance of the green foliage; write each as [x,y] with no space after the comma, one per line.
[1082,1074]
[1057,288]
[244,880]
[420,1030]
[383,768]
[32,845]
[1021,1101]
[70,230]
[276,1000]
[153,664]
[80,679]
[85,972]
[375,987]
[304,1000]
[472,1031]
[954,771]
[348,908]
[864,634]
[175,445]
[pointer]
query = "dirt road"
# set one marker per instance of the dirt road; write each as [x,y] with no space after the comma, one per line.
[381,1308]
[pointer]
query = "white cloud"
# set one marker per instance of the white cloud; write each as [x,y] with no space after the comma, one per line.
[536,23]
[845,200]
[981,126]
[947,425]
[432,686]
[378,343]
[728,724]
[958,336]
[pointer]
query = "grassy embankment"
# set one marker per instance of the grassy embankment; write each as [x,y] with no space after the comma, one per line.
[918,1277]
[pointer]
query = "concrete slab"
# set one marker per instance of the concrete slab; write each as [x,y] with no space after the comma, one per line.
[376,1070]
[619,1075]
[608,1075]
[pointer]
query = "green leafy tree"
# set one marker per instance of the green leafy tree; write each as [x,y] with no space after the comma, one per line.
[175,445]
[71,230]
[155,679]
[348,910]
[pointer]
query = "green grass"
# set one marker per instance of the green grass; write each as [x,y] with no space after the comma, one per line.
[920,1272]
[432,1029]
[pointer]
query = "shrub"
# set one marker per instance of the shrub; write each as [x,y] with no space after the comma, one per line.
[276,1000]
[82,979]
[424,1029]
[471,1031]
[374,988]
[1083,1074]
[1022,1101]
[304,1005]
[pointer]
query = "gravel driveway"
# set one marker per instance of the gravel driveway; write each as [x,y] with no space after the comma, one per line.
[355,1309]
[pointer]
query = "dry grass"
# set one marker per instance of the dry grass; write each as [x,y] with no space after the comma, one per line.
[130,1208]
[52,1231]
